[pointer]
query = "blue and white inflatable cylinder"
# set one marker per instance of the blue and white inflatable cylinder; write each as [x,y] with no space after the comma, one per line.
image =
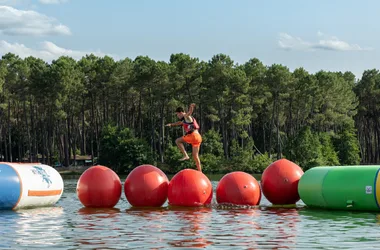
[28,185]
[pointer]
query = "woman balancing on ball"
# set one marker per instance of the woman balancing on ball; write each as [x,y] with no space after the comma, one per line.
[192,135]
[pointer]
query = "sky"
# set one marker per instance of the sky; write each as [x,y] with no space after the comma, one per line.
[339,35]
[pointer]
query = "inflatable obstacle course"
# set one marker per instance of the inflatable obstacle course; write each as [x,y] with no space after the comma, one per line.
[28,185]
[283,183]
[238,188]
[341,187]
[190,188]
[99,187]
[280,182]
[146,186]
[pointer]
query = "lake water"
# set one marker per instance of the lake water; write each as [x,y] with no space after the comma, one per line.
[69,225]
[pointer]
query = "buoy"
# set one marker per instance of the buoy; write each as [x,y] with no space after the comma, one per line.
[147,186]
[189,187]
[238,188]
[341,187]
[28,185]
[279,182]
[99,186]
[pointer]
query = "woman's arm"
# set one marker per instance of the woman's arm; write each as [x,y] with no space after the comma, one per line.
[179,123]
[191,109]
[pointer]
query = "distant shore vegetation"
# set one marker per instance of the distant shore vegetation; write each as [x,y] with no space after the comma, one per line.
[250,114]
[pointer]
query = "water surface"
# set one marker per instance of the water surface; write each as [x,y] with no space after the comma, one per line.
[69,225]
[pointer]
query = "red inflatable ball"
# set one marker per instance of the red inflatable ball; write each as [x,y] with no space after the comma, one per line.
[146,186]
[189,188]
[100,187]
[238,188]
[279,182]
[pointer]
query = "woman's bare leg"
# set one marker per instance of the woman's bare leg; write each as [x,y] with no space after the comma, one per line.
[179,141]
[196,157]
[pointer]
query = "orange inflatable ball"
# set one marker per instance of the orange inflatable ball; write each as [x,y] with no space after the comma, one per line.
[146,186]
[238,188]
[189,188]
[99,186]
[279,182]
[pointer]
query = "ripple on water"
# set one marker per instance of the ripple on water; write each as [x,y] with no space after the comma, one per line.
[69,225]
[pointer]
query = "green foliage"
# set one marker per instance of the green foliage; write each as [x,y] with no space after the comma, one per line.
[122,151]
[305,149]
[348,147]
[302,97]
[260,162]
[241,156]
[367,119]
[329,153]
[310,149]
[244,158]
[172,156]
[62,108]
[212,143]
[2,75]
[335,100]
[211,163]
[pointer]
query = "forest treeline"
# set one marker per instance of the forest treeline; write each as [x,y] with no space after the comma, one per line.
[249,114]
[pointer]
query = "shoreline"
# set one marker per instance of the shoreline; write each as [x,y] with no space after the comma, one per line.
[71,170]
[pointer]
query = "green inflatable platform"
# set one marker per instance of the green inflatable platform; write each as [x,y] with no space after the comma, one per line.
[341,187]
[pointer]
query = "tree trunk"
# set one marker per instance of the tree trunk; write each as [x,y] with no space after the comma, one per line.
[93,130]
[28,132]
[66,145]
[9,132]
[279,153]
[162,134]
[68,136]
[97,134]
[224,132]
[271,125]
[73,139]
[43,135]
[50,135]
[19,126]
[59,143]
[139,119]
[34,131]
[83,137]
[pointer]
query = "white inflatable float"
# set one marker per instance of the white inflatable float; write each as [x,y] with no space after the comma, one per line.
[27,185]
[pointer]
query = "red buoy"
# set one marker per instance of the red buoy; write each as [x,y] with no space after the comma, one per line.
[189,187]
[99,186]
[238,188]
[279,182]
[147,186]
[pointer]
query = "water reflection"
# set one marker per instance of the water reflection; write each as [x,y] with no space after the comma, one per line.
[239,228]
[146,212]
[99,212]
[104,220]
[29,226]
[152,218]
[254,227]
[284,223]
[338,227]
[195,223]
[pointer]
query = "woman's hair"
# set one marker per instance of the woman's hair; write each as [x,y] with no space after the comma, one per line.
[179,109]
